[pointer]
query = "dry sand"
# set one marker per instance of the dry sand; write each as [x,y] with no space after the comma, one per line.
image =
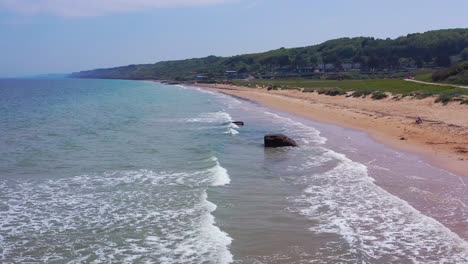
[442,138]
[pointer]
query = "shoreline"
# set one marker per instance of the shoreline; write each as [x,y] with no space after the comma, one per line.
[442,139]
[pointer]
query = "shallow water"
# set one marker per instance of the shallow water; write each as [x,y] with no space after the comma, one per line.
[350,190]
[110,171]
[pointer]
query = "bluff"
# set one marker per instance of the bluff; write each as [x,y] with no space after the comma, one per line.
[432,49]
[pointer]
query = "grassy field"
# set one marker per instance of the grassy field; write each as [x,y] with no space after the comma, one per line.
[426,77]
[393,86]
[376,88]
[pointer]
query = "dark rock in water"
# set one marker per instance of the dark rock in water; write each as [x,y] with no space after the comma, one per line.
[278,140]
[238,123]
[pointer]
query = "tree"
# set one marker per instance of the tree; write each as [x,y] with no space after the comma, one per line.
[422,48]
[443,60]
[313,60]
[242,70]
[373,62]
[299,61]
[464,54]
[283,60]
[419,62]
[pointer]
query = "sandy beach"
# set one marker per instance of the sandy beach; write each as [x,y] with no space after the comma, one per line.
[442,138]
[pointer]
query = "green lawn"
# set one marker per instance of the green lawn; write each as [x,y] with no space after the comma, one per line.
[394,86]
[426,77]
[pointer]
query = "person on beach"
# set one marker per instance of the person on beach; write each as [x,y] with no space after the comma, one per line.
[419,120]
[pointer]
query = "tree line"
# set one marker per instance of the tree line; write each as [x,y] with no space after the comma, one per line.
[432,49]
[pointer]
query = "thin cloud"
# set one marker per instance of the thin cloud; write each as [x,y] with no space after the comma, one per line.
[81,8]
[253,4]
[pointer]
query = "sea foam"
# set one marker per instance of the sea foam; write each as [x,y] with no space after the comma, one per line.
[375,225]
[306,133]
[219,118]
[220,175]
[154,219]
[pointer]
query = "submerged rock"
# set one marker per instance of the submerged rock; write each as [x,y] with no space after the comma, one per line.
[238,123]
[278,140]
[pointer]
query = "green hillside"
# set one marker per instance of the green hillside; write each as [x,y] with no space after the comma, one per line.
[439,48]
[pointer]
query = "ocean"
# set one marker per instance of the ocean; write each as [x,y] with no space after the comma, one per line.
[116,171]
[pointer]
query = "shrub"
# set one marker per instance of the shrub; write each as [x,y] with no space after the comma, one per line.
[443,74]
[331,91]
[444,99]
[208,81]
[422,95]
[308,90]
[321,91]
[361,93]
[293,88]
[273,87]
[378,95]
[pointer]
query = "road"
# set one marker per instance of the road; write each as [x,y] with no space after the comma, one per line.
[437,84]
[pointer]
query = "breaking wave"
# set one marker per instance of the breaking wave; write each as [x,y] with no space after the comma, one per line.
[140,216]
[219,118]
[374,225]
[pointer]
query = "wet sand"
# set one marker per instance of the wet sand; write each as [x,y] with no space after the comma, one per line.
[442,138]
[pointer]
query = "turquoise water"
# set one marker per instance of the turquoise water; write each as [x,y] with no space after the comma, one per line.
[112,171]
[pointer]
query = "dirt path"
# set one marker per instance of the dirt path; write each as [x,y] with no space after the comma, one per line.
[437,84]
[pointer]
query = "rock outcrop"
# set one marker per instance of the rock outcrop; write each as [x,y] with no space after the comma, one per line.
[278,140]
[238,123]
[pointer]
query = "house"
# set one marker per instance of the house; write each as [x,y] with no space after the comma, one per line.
[285,70]
[346,66]
[231,74]
[305,70]
[326,67]
[329,67]
[351,66]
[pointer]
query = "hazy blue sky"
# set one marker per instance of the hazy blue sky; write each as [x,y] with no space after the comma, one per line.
[59,36]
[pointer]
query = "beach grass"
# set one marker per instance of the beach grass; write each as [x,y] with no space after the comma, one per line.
[376,88]
[394,86]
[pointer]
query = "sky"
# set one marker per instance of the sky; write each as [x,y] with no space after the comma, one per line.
[63,36]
